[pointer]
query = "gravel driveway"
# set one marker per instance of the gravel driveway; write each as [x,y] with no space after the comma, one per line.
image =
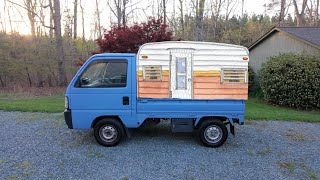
[39,146]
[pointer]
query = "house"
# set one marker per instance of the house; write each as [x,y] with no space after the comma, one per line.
[284,40]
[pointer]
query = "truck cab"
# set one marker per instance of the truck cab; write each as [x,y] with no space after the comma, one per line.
[110,94]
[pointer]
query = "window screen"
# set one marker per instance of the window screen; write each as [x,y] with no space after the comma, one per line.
[234,76]
[105,74]
[152,73]
[181,74]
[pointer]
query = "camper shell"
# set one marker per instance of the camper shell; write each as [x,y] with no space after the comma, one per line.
[192,70]
[198,86]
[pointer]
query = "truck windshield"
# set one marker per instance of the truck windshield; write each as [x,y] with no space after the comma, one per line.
[104,74]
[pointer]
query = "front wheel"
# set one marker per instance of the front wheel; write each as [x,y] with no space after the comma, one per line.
[108,132]
[213,133]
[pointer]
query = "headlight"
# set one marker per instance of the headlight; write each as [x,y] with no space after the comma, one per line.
[66,102]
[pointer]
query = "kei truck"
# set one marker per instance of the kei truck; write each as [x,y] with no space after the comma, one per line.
[199,87]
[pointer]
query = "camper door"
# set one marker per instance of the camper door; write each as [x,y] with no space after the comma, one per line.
[181,73]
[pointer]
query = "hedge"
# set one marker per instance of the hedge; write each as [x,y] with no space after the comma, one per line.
[251,78]
[292,80]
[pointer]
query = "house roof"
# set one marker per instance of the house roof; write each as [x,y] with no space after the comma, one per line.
[309,35]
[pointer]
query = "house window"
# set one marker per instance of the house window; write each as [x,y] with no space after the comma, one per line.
[234,76]
[152,73]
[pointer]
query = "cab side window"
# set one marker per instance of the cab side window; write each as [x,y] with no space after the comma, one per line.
[104,74]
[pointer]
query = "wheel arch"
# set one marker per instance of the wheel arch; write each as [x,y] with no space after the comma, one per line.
[205,118]
[97,119]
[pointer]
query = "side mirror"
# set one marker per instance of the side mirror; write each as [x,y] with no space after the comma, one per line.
[84,81]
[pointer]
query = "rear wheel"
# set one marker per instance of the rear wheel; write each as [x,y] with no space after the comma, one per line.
[108,132]
[213,133]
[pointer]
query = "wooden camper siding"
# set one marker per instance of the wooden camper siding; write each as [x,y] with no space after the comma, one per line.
[154,89]
[208,86]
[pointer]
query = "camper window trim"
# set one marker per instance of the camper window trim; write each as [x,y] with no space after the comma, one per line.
[243,77]
[150,67]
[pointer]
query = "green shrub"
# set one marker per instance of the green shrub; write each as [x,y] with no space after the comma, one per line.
[292,80]
[251,79]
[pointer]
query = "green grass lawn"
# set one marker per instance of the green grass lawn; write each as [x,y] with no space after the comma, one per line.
[50,104]
[258,110]
[255,108]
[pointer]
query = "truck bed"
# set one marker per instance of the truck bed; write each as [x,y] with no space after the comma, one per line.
[190,108]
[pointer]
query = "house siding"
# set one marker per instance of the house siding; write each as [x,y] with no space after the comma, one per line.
[276,44]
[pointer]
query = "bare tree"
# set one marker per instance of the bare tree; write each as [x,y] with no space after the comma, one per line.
[82,18]
[164,12]
[241,22]
[3,21]
[119,11]
[230,7]
[313,12]
[316,14]
[75,17]
[124,6]
[59,45]
[216,7]
[299,14]
[98,25]
[31,6]
[199,20]
[282,12]
[181,18]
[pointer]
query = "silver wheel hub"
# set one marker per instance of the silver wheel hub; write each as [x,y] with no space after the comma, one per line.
[213,134]
[108,133]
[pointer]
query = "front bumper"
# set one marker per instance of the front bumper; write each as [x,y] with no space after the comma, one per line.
[68,118]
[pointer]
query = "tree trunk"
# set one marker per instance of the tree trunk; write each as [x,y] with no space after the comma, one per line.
[199,20]
[164,12]
[28,74]
[181,18]
[124,2]
[2,82]
[82,17]
[31,16]
[316,14]
[59,44]
[299,15]
[75,17]
[282,11]
[98,19]
[51,19]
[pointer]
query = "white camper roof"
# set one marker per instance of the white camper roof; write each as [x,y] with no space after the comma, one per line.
[205,55]
[194,45]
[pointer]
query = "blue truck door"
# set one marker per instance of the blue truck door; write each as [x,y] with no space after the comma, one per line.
[103,87]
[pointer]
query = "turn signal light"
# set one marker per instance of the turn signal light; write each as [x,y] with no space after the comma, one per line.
[245,58]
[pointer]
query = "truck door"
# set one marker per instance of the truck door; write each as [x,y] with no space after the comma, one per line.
[104,85]
[181,73]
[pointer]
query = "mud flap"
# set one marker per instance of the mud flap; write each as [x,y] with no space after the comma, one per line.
[128,132]
[232,129]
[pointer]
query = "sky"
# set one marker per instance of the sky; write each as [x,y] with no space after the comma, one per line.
[141,9]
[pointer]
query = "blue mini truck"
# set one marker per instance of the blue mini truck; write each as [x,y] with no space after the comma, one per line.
[115,92]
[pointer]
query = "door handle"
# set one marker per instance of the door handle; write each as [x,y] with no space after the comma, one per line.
[125,100]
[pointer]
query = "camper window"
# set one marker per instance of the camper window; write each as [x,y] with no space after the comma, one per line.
[234,76]
[152,73]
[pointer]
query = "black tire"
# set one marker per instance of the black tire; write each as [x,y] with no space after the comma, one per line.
[108,132]
[212,133]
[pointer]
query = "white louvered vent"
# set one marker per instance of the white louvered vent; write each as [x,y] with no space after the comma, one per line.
[152,73]
[234,76]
